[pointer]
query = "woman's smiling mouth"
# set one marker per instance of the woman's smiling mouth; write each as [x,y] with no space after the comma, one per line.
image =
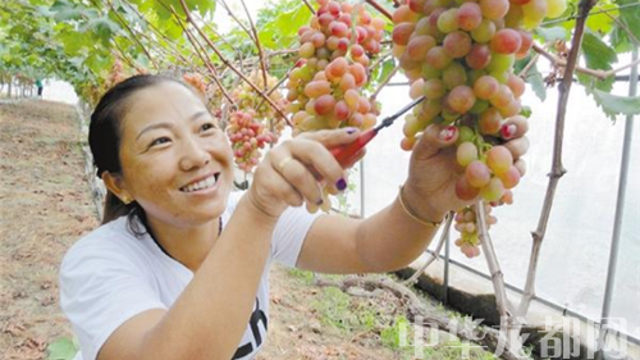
[203,184]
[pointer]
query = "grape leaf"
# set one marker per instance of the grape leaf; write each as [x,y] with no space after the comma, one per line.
[537,83]
[598,55]
[630,16]
[552,33]
[613,105]
[62,349]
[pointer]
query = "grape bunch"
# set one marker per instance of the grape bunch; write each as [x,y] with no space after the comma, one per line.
[246,97]
[325,86]
[255,123]
[248,135]
[460,56]
[196,81]
[469,242]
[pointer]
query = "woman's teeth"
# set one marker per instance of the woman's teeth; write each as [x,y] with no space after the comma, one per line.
[200,185]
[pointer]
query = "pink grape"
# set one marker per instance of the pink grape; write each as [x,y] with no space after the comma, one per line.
[494,9]
[516,84]
[417,89]
[402,32]
[484,32]
[404,14]
[506,41]
[454,75]
[461,99]
[317,88]
[418,47]
[477,174]
[466,153]
[499,159]
[307,50]
[510,178]
[490,121]
[438,58]
[341,110]
[469,16]
[479,56]
[502,97]
[493,190]
[465,191]
[485,87]
[448,21]
[457,44]
[434,89]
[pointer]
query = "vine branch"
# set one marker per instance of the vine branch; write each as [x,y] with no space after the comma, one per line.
[557,170]
[263,62]
[600,74]
[230,65]
[380,8]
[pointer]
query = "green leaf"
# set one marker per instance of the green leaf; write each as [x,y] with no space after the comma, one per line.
[65,10]
[613,105]
[62,349]
[600,56]
[282,32]
[553,33]
[537,83]
[597,53]
[103,28]
[630,16]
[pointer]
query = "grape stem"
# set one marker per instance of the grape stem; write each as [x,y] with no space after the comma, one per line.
[525,70]
[230,65]
[435,255]
[384,83]
[380,8]
[313,11]
[510,325]
[557,170]
[263,62]
[599,74]
[200,51]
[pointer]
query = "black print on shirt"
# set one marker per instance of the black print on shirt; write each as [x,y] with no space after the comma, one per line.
[257,316]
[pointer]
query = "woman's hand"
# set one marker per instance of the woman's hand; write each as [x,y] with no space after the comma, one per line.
[293,172]
[434,170]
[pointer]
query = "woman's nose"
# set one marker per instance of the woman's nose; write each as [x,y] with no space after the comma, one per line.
[194,155]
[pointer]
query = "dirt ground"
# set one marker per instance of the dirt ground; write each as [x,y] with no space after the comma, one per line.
[46,205]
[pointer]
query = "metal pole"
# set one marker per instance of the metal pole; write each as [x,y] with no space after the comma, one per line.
[362,188]
[447,249]
[617,225]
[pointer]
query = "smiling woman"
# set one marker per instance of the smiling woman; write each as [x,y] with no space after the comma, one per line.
[179,267]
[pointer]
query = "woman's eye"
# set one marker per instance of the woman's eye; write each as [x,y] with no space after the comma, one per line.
[207,126]
[160,140]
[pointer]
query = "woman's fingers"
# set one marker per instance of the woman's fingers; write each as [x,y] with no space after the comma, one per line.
[521,166]
[299,177]
[280,187]
[332,138]
[514,127]
[319,160]
[434,138]
[518,147]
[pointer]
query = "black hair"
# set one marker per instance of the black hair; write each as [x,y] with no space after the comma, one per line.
[105,132]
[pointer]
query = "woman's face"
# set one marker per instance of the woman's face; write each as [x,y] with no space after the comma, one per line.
[176,161]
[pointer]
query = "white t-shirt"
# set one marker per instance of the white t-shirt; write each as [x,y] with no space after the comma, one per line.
[109,275]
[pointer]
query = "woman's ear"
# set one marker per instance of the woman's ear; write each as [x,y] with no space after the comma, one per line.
[115,184]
